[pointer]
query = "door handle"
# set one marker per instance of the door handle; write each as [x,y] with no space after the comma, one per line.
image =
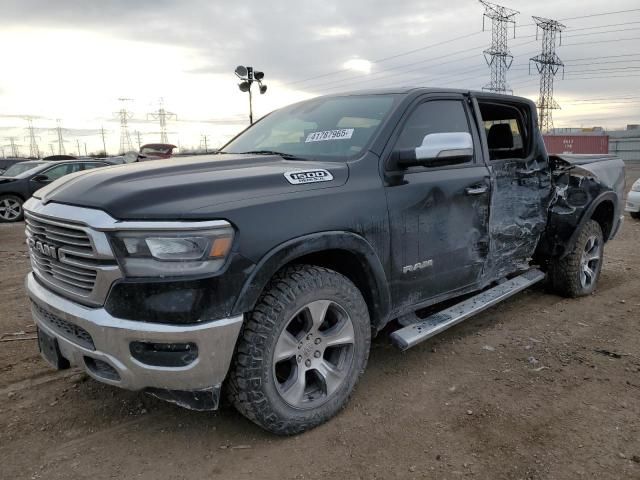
[476,190]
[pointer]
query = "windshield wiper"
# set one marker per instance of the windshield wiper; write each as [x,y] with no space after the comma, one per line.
[286,156]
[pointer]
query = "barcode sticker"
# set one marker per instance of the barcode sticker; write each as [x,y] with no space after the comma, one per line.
[341,134]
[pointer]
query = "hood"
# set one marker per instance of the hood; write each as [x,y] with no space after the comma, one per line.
[176,188]
[7,179]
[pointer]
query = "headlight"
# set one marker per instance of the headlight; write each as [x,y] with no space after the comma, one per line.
[636,186]
[172,253]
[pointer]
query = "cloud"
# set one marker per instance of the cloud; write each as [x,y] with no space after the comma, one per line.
[89,52]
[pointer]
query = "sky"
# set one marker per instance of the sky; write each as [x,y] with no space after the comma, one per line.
[74,59]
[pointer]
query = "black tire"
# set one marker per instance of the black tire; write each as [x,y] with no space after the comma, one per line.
[9,204]
[566,276]
[635,215]
[253,385]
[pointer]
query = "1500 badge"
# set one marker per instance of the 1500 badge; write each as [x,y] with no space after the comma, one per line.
[308,176]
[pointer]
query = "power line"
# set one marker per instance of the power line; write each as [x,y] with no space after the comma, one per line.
[451,40]
[385,59]
[341,83]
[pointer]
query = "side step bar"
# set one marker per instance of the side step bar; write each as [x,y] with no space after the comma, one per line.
[411,335]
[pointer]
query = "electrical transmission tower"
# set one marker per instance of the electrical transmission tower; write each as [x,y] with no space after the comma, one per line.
[61,149]
[138,139]
[547,63]
[125,137]
[498,56]
[104,143]
[15,153]
[34,151]
[162,116]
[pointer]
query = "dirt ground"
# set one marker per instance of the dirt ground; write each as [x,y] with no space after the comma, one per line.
[539,387]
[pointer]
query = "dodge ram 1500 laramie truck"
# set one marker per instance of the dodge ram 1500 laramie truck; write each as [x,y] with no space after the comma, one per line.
[263,271]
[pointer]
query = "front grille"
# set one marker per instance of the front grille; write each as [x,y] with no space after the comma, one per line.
[58,233]
[61,254]
[68,330]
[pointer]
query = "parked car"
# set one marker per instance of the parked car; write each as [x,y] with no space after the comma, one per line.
[633,200]
[155,151]
[261,273]
[19,182]
[5,163]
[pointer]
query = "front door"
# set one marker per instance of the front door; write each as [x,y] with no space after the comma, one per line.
[438,216]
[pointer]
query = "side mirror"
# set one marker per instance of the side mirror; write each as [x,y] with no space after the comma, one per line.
[437,149]
[40,178]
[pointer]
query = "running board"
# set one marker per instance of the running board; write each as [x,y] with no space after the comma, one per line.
[411,335]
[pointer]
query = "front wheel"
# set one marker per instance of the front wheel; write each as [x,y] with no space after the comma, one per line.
[577,274]
[11,208]
[301,351]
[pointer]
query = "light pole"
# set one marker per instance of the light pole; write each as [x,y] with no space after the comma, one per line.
[248,75]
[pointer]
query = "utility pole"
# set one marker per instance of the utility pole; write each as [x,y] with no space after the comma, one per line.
[125,137]
[248,75]
[162,116]
[85,150]
[498,56]
[78,145]
[104,143]
[34,151]
[204,139]
[51,147]
[547,63]
[139,139]
[61,149]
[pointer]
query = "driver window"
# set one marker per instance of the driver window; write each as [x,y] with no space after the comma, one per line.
[436,116]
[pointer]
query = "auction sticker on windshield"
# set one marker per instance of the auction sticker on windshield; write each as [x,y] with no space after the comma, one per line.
[341,134]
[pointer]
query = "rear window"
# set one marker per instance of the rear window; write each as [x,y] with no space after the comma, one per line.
[19,168]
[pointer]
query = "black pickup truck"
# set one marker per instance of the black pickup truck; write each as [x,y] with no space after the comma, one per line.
[263,271]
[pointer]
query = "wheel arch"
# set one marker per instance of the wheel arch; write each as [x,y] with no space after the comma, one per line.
[14,194]
[603,211]
[345,252]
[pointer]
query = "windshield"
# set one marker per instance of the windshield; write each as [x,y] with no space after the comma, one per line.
[19,168]
[328,127]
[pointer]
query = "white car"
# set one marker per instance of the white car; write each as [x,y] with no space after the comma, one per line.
[633,200]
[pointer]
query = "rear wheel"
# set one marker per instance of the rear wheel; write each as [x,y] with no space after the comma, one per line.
[301,351]
[577,273]
[11,208]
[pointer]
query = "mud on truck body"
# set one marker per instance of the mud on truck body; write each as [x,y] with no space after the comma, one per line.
[263,271]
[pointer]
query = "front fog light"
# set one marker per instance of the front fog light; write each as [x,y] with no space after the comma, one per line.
[169,253]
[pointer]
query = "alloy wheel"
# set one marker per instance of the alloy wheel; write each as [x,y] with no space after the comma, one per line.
[314,354]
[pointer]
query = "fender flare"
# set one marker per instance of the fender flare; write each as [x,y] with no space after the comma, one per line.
[586,216]
[291,250]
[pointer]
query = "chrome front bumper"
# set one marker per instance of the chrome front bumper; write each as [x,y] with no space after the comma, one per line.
[109,340]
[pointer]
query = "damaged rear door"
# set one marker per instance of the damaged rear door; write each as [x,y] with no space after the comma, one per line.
[521,182]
